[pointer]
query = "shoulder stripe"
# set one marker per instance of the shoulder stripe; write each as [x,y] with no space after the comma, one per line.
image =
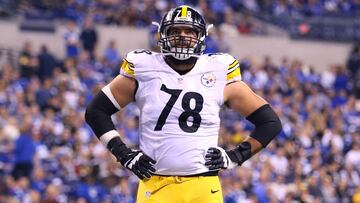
[233,74]
[128,67]
[233,68]
[234,63]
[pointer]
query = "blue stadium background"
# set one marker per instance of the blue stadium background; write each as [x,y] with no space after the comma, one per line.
[49,154]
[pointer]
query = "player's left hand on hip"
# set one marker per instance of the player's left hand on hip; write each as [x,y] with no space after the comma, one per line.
[217,158]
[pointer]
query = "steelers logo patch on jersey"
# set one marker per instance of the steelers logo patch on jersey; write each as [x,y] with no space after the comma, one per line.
[208,79]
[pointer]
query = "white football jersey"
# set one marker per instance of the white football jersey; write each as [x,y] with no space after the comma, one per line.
[179,114]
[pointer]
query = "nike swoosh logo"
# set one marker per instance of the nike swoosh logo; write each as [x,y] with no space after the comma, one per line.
[214,191]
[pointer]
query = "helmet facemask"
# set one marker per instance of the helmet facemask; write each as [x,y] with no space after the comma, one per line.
[179,46]
[182,47]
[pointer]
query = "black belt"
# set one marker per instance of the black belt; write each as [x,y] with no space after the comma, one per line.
[208,173]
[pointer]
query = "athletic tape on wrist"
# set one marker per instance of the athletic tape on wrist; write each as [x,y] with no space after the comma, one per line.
[106,137]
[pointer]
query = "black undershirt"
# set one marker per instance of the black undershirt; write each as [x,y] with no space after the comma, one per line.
[183,72]
[173,62]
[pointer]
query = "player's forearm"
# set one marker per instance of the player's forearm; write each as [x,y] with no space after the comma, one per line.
[256,146]
[98,116]
[267,126]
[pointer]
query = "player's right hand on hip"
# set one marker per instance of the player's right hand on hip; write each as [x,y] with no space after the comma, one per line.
[136,161]
[140,164]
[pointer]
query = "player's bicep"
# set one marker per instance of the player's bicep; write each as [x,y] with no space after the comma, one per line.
[241,98]
[123,88]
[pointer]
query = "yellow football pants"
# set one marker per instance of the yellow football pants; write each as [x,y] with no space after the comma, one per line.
[175,189]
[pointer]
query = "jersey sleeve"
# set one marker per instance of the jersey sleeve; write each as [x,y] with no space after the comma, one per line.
[127,67]
[233,70]
[136,62]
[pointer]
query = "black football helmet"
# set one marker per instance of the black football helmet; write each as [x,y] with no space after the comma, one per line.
[181,47]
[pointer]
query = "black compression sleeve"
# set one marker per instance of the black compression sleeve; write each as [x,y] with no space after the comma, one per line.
[241,153]
[98,114]
[267,124]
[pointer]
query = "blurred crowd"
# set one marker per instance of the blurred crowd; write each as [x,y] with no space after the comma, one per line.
[142,12]
[299,8]
[120,12]
[49,154]
[138,13]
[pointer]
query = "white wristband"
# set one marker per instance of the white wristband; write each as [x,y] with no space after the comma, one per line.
[106,137]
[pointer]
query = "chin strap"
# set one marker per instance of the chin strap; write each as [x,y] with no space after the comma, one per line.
[156,24]
[207,28]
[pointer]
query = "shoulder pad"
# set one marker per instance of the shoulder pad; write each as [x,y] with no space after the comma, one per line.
[233,69]
[133,60]
[231,65]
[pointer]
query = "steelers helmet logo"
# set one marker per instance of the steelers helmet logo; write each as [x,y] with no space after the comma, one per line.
[208,79]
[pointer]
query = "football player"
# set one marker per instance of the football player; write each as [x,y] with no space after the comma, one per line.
[179,92]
